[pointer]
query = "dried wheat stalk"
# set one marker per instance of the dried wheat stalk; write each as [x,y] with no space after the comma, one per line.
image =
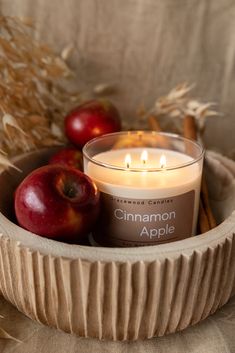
[178,104]
[33,101]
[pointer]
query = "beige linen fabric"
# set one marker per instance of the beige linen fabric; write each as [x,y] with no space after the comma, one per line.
[214,335]
[146,47]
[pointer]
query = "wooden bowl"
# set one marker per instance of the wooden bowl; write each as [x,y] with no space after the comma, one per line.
[124,293]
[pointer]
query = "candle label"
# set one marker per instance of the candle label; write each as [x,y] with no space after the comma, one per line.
[136,222]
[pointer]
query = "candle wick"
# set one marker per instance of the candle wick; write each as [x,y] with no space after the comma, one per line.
[144,157]
[163,162]
[128,161]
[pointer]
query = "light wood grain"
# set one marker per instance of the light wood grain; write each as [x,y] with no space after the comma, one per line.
[117,294]
[146,48]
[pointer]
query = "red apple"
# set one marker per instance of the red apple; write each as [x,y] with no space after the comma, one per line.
[57,202]
[68,156]
[91,119]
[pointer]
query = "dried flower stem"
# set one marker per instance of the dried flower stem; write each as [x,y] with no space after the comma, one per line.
[30,85]
[178,103]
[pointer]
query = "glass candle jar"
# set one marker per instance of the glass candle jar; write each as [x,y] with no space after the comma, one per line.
[149,184]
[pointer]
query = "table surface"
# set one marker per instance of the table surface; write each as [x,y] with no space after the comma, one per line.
[213,335]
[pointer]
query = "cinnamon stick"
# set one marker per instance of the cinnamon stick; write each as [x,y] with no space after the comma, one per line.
[206,218]
[206,203]
[155,126]
[190,127]
[203,222]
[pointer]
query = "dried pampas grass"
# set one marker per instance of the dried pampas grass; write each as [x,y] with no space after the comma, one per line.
[33,101]
[177,104]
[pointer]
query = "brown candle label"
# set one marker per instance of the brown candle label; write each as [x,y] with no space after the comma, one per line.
[135,222]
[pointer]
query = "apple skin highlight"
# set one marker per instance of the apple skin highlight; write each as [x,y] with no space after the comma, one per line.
[91,119]
[57,202]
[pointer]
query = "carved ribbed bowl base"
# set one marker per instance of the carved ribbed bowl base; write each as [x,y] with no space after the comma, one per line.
[119,294]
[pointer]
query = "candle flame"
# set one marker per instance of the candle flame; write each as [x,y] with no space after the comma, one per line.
[128,160]
[144,157]
[163,161]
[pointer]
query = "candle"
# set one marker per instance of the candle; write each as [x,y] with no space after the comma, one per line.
[149,194]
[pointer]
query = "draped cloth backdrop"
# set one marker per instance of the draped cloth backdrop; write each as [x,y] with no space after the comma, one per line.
[146,47]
